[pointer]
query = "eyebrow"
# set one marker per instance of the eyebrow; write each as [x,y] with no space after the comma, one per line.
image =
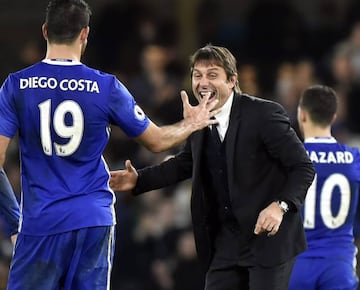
[210,69]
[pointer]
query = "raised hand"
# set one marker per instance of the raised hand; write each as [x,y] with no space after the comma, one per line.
[124,180]
[199,116]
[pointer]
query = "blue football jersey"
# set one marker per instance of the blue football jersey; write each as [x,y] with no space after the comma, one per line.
[62,111]
[331,202]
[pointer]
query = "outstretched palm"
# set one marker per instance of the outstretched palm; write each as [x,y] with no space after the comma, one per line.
[123,180]
[199,116]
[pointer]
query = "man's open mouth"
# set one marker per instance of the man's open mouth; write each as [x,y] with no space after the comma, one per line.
[209,94]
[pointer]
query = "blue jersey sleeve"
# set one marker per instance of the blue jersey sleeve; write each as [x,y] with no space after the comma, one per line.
[8,119]
[9,207]
[124,111]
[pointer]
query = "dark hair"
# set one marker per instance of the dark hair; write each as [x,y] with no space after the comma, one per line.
[65,19]
[216,55]
[321,104]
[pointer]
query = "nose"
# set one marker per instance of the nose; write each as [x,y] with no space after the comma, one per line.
[203,81]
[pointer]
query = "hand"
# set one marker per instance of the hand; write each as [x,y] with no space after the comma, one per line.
[13,239]
[199,116]
[269,220]
[123,180]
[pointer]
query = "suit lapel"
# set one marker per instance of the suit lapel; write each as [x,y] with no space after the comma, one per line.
[196,148]
[231,136]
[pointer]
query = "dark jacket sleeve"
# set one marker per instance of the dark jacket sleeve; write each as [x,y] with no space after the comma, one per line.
[284,145]
[169,172]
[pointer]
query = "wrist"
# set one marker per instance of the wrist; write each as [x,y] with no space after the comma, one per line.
[283,205]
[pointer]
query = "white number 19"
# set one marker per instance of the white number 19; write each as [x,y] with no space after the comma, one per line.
[74,132]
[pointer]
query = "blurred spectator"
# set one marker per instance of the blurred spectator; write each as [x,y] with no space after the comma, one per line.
[31,52]
[285,88]
[248,78]
[157,89]
[351,49]
[291,79]
[187,272]
[346,76]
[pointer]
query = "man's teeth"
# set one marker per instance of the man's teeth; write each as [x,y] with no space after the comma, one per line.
[206,94]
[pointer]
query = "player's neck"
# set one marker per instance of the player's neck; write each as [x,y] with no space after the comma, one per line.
[317,132]
[61,51]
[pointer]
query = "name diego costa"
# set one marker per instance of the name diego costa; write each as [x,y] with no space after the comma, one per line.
[80,85]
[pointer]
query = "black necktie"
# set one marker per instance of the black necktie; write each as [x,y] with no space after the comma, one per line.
[214,133]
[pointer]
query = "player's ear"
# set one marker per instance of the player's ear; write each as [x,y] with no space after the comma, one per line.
[44,30]
[300,115]
[333,119]
[84,33]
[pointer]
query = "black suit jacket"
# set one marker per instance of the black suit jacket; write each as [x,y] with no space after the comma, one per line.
[266,161]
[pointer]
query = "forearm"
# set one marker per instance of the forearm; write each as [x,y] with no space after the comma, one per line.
[299,180]
[173,135]
[9,207]
[175,169]
[158,139]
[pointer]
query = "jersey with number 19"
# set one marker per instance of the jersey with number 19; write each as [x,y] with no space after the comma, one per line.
[62,111]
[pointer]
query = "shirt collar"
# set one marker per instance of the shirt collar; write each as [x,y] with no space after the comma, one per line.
[58,61]
[320,140]
[224,115]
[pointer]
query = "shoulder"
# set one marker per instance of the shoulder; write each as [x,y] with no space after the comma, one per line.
[107,79]
[99,73]
[262,106]
[250,100]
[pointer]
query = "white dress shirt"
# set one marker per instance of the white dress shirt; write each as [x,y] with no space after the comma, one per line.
[223,117]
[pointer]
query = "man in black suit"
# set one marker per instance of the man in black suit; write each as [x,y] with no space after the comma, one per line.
[250,174]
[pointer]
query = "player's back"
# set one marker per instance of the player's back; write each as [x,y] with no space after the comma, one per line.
[331,202]
[63,110]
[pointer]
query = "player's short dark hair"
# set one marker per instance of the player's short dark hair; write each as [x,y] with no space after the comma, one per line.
[65,19]
[216,55]
[320,102]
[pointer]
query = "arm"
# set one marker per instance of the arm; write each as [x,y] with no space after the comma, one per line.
[283,145]
[9,206]
[158,139]
[173,170]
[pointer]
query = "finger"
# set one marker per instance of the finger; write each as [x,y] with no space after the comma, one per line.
[258,228]
[204,101]
[128,165]
[215,112]
[212,104]
[114,173]
[267,225]
[214,121]
[269,228]
[184,98]
[273,231]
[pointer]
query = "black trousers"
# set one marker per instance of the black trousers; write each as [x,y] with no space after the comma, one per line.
[249,277]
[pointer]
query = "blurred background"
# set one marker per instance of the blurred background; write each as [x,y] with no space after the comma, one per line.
[282,46]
